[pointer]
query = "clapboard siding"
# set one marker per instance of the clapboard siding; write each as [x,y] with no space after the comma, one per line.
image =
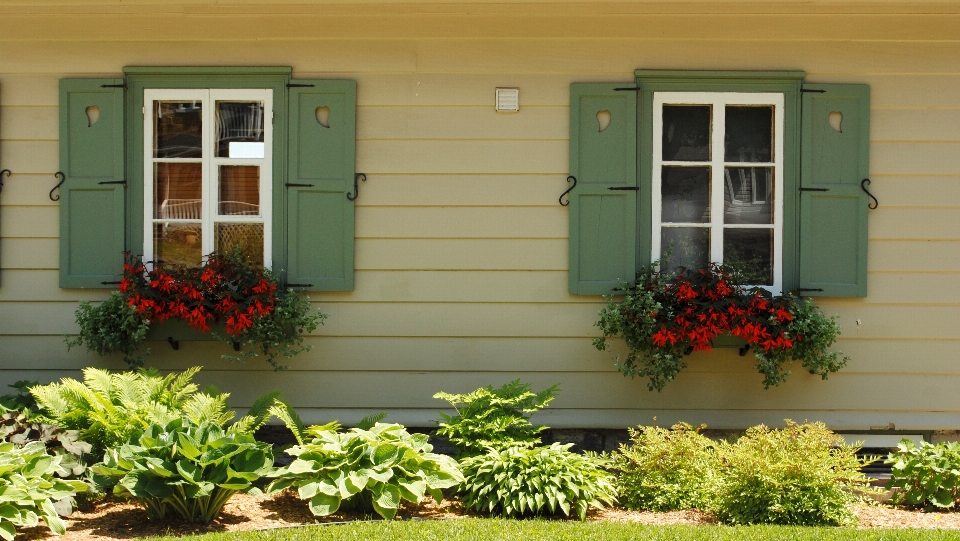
[461,249]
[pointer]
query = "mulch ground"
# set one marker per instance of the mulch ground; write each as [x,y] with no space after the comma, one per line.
[118,520]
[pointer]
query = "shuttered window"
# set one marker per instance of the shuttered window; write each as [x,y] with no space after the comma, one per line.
[262,151]
[814,238]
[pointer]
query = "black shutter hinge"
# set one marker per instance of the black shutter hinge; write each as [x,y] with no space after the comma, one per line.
[294,185]
[124,182]
[121,85]
[573,179]
[299,285]
[624,188]
[299,85]
[62,177]
[809,289]
[814,189]
[813,90]
[627,89]
[110,283]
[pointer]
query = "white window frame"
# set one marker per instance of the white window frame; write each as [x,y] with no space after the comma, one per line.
[717,101]
[210,169]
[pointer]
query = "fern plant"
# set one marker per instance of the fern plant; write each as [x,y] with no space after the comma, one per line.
[110,408]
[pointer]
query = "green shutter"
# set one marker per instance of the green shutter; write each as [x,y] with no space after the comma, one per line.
[92,195]
[833,207]
[320,175]
[603,222]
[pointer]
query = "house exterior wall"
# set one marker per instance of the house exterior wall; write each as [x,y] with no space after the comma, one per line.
[461,246]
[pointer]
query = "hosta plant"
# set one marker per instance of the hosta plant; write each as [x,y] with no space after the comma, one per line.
[17,428]
[494,418]
[534,481]
[29,488]
[109,408]
[379,467]
[926,475]
[665,470]
[664,317]
[185,468]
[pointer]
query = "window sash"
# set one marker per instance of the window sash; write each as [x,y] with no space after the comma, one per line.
[718,101]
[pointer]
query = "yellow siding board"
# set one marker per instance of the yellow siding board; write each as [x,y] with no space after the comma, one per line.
[26,222]
[462,222]
[280,26]
[915,256]
[464,190]
[478,122]
[917,191]
[28,123]
[30,89]
[927,158]
[458,156]
[31,157]
[914,288]
[42,285]
[27,190]
[927,124]
[461,254]
[29,253]
[914,223]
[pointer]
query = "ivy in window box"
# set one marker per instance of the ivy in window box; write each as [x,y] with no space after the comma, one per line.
[664,317]
[227,292]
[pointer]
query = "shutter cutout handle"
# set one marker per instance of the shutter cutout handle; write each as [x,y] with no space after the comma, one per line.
[2,173]
[570,178]
[864,188]
[62,177]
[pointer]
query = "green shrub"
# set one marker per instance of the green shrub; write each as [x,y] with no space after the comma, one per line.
[22,401]
[928,476]
[28,488]
[494,418]
[108,409]
[190,469]
[521,480]
[665,470]
[112,326]
[375,468]
[801,475]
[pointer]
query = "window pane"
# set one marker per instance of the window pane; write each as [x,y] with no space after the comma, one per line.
[687,247]
[685,194]
[178,244]
[248,237]
[748,195]
[240,129]
[686,133]
[750,251]
[177,132]
[239,190]
[749,134]
[177,189]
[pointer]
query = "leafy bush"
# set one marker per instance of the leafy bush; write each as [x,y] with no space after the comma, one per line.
[112,326]
[28,488]
[663,317]
[495,418]
[22,401]
[18,429]
[378,468]
[108,409]
[800,475]
[927,475]
[530,481]
[665,470]
[190,469]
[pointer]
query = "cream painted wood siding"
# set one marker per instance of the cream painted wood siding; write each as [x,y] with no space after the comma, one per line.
[461,247]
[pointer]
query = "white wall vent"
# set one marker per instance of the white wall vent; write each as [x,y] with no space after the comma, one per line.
[508,100]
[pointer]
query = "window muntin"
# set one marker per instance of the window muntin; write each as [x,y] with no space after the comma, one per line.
[717,190]
[207,174]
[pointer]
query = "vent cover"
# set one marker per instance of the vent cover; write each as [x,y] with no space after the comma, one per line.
[508,100]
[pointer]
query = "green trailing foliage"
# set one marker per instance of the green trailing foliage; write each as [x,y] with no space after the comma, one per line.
[373,469]
[186,468]
[494,418]
[30,488]
[112,326]
[926,475]
[109,408]
[22,401]
[522,481]
[802,475]
[665,470]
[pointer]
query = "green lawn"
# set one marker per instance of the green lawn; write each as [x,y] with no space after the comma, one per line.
[531,530]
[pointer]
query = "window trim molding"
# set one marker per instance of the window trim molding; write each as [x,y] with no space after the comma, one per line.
[139,78]
[786,82]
